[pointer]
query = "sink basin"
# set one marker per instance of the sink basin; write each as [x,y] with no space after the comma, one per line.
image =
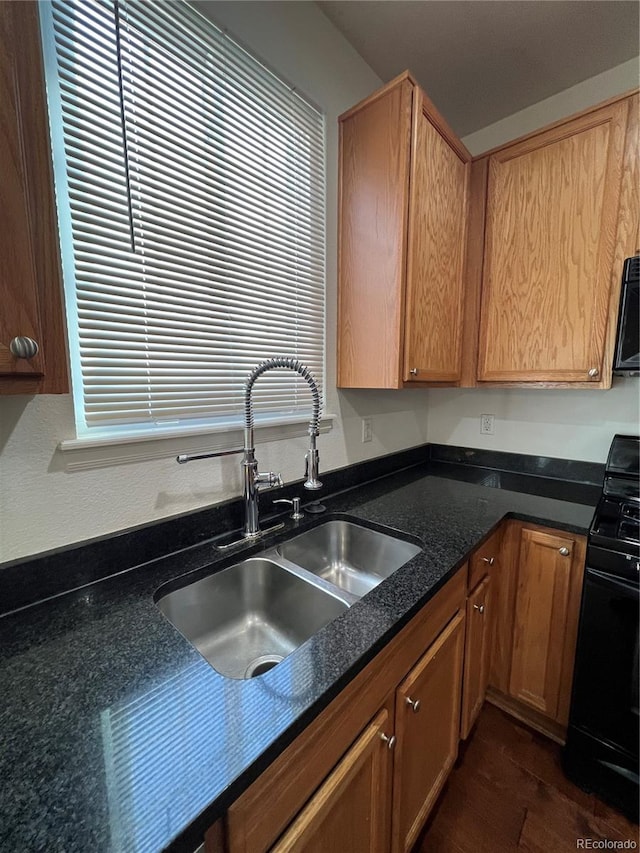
[245,619]
[351,557]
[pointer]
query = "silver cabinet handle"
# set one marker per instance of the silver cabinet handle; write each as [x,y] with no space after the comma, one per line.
[414,705]
[479,608]
[23,347]
[389,740]
[564,551]
[414,371]
[594,373]
[489,560]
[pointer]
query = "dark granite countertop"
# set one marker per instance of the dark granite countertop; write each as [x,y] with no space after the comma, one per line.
[116,735]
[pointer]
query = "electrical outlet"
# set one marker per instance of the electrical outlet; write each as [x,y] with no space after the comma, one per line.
[367,430]
[486,424]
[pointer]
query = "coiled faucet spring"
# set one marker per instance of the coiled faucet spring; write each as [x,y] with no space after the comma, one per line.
[279,363]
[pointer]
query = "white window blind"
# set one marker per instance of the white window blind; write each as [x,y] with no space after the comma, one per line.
[191,193]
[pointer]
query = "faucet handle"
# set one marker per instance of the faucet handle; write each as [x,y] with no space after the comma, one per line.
[269,480]
[295,503]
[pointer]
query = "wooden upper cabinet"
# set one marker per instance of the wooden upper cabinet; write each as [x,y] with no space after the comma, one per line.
[403,202]
[375,145]
[552,223]
[20,315]
[30,288]
[436,248]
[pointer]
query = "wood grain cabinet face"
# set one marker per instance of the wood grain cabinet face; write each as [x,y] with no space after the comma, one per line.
[30,288]
[402,231]
[546,605]
[20,314]
[351,810]
[550,244]
[427,734]
[476,654]
[437,234]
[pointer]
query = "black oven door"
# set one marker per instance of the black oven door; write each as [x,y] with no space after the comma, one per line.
[605,688]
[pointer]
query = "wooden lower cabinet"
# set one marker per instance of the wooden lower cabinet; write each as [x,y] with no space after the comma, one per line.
[538,601]
[476,654]
[543,619]
[427,731]
[350,811]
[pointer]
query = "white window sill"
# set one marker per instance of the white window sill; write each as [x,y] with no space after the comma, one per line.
[86,453]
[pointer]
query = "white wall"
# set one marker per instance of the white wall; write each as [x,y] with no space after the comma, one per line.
[43,505]
[573,424]
[613,82]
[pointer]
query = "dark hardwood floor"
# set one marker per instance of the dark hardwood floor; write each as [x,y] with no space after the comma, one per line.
[507,792]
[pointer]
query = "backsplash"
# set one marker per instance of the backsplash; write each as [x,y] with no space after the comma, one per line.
[25,581]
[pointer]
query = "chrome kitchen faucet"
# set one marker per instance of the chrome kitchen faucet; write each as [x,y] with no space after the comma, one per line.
[252,480]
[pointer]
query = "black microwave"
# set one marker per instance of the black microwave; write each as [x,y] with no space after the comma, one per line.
[626,360]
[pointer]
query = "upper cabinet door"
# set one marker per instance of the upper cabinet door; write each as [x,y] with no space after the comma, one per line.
[551,221]
[30,282]
[402,231]
[20,311]
[375,140]
[436,247]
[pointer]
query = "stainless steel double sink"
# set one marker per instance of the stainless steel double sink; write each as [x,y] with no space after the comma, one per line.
[247,618]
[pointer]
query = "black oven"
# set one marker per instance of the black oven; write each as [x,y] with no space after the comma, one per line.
[602,750]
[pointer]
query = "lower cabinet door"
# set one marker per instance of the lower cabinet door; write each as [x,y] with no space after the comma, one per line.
[476,654]
[427,729]
[350,810]
[541,619]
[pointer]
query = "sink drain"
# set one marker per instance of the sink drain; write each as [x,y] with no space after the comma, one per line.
[261,665]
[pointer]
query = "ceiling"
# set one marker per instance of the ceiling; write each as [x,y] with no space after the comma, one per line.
[481,60]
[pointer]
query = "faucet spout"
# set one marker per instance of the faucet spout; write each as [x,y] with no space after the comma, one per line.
[252,480]
[251,528]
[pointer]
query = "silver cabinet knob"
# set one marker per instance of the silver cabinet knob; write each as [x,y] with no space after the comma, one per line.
[414,371]
[414,705]
[564,551]
[23,347]
[594,373]
[479,608]
[489,560]
[390,740]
